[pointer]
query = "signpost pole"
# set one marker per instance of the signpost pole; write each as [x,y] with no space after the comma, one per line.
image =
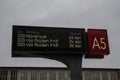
[73,62]
[75,66]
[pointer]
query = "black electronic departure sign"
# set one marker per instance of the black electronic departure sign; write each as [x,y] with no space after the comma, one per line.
[51,40]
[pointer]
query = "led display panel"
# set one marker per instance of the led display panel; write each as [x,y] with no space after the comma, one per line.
[48,40]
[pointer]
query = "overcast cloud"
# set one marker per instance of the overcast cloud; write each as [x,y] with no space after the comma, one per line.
[60,13]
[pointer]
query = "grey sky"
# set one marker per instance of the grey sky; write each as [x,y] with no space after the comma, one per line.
[60,13]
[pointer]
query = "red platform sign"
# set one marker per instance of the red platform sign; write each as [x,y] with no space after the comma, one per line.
[98,42]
